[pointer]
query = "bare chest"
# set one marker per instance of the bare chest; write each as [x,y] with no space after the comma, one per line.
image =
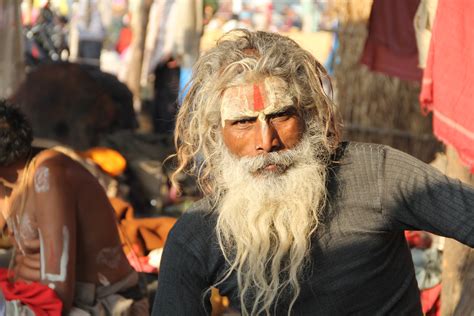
[23,225]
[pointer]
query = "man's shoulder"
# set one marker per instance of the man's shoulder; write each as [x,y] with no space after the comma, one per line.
[357,159]
[351,153]
[59,165]
[359,150]
[198,214]
[198,222]
[49,167]
[371,161]
[54,159]
[369,152]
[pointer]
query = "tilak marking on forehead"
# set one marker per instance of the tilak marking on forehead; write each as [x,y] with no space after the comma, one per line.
[257,98]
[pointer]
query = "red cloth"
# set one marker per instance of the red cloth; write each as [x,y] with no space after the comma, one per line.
[431,301]
[140,263]
[448,80]
[391,44]
[418,239]
[124,40]
[42,300]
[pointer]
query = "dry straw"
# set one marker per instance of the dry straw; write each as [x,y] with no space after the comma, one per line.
[374,107]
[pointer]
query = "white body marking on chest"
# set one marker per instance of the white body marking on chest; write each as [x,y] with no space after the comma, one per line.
[11,222]
[27,230]
[61,277]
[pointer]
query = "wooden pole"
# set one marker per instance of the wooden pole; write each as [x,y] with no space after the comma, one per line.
[457,294]
[140,10]
[12,66]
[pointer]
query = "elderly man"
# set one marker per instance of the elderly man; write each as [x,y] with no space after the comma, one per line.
[294,221]
[64,231]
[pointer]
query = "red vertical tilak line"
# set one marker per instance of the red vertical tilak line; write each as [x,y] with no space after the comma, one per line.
[257,98]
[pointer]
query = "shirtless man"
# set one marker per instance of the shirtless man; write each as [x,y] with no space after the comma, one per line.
[61,222]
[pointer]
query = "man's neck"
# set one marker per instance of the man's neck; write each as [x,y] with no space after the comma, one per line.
[11,173]
[9,178]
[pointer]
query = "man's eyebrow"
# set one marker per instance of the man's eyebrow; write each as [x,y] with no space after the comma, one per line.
[242,117]
[283,109]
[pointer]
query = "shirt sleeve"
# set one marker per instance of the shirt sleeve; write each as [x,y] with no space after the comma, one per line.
[183,288]
[416,196]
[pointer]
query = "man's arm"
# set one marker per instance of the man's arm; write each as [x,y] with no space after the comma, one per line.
[55,210]
[418,197]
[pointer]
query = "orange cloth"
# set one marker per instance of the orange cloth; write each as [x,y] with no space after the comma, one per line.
[42,300]
[146,233]
[109,160]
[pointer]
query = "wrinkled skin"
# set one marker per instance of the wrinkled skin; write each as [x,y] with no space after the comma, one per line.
[256,122]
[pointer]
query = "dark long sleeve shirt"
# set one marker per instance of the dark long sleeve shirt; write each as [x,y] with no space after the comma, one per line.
[360,261]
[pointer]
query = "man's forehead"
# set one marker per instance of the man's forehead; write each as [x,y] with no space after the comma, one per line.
[270,92]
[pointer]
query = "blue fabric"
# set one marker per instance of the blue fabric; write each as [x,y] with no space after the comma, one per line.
[184,78]
[332,59]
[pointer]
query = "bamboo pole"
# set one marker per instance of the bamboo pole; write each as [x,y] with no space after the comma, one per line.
[458,260]
[140,10]
[12,65]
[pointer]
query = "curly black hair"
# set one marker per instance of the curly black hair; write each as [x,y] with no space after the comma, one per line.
[15,134]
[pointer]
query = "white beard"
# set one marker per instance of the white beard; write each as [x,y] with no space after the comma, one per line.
[266,219]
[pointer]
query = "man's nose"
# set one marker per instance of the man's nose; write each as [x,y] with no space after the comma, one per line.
[267,139]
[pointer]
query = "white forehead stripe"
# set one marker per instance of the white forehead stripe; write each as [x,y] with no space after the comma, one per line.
[239,102]
[277,92]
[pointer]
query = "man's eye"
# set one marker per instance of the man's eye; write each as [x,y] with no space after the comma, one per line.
[244,122]
[281,116]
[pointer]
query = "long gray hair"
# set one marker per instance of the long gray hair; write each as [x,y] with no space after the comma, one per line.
[253,56]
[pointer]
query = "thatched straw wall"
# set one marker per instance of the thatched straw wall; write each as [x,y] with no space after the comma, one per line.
[376,108]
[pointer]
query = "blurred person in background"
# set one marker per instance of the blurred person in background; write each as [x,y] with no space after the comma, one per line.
[91,31]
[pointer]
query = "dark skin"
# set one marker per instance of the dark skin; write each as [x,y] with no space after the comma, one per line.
[68,208]
[246,137]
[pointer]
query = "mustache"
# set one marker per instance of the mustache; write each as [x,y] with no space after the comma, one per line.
[282,160]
